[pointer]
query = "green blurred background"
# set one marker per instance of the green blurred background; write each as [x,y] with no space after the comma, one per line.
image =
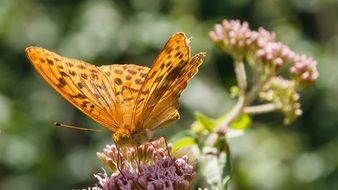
[36,155]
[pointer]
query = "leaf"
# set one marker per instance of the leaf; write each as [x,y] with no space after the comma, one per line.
[211,172]
[183,142]
[238,126]
[226,166]
[203,122]
[241,122]
[216,169]
[197,127]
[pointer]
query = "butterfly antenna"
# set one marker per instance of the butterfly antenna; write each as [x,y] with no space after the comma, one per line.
[78,128]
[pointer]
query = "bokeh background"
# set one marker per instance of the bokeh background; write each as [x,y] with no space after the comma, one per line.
[36,155]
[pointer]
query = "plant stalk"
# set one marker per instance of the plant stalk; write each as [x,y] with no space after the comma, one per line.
[259,109]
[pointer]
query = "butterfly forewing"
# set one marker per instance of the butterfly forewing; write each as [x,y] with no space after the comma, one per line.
[157,102]
[80,83]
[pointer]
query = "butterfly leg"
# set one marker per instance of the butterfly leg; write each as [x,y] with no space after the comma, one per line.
[168,149]
[119,161]
[138,161]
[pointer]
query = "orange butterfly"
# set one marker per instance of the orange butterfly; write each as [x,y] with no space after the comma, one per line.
[126,99]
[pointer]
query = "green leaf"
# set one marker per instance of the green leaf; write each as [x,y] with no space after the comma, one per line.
[197,127]
[222,118]
[183,142]
[226,165]
[241,122]
[204,121]
[211,172]
[238,126]
[216,170]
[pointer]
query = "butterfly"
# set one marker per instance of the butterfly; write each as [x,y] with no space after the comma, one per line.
[126,99]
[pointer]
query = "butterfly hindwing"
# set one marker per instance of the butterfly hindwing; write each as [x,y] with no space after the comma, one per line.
[126,82]
[126,79]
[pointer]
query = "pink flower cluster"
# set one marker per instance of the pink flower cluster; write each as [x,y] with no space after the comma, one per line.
[275,53]
[267,57]
[261,37]
[148,166]
[262,51]
[304,70]
[234,35]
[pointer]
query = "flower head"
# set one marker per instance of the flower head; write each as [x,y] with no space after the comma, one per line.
[304,70]
[232,35]
[146,166]
[261,37]
[275,54]
[260,48]
[283,94]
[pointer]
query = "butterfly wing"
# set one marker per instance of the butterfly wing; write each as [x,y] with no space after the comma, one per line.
[127,80]
[84,85]
[157,102]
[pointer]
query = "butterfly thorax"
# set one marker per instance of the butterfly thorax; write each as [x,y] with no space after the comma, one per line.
[124,136]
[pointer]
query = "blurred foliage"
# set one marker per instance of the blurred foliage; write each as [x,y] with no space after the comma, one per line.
[36,155]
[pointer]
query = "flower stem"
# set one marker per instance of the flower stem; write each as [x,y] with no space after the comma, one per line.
[254,91]
[259,109]
[238,108]
[241,75]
